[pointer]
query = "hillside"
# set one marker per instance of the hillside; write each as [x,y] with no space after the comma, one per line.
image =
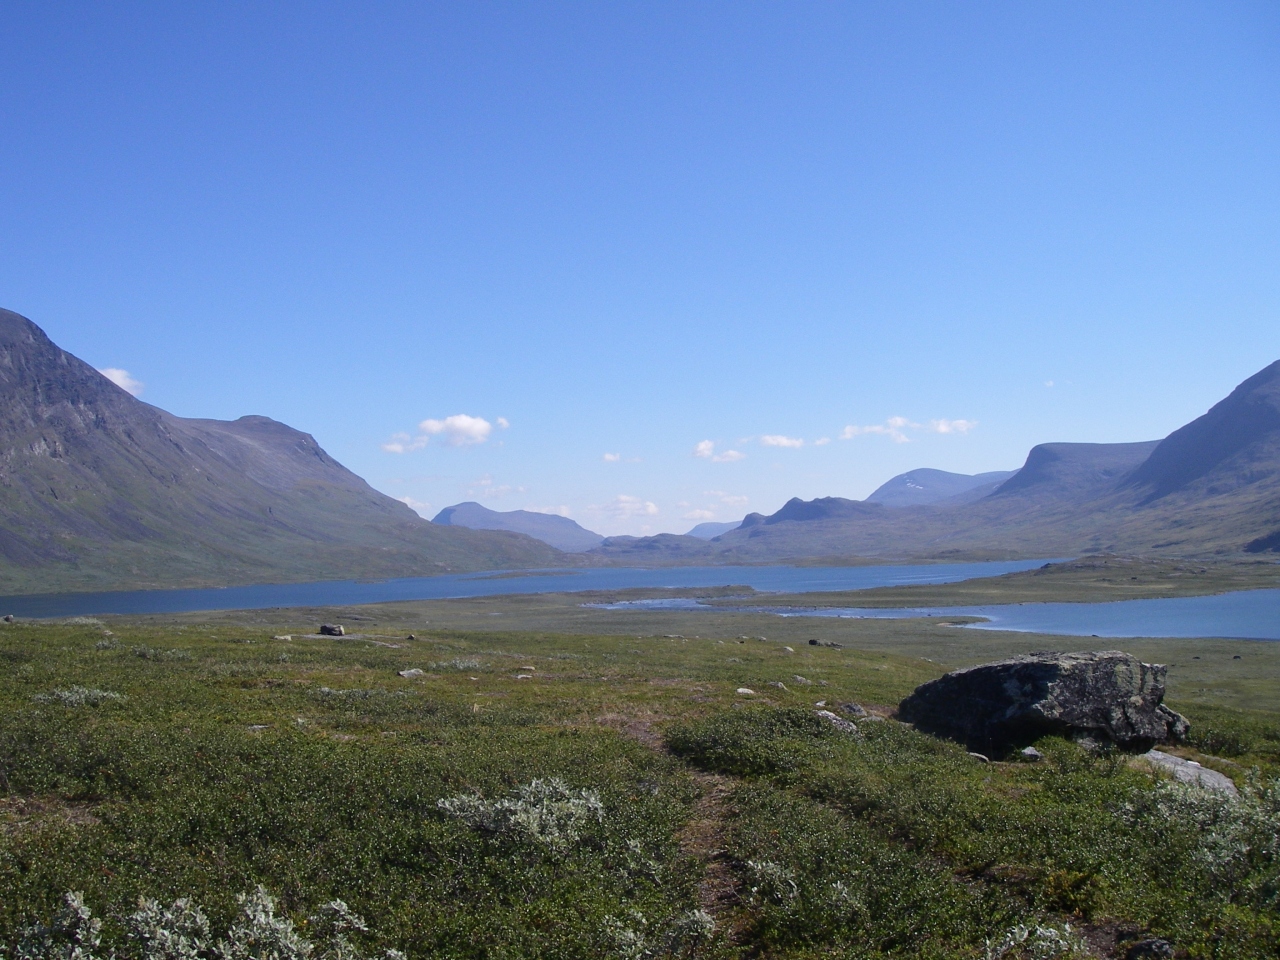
[560,532]
[99,490]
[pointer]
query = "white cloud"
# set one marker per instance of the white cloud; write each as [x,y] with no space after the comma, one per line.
[1048,383]
[778,440]
[822,441]
[952,426]
[612,457]
[700,515]
[124,380]
[706,449]
[421,508]
[895,428]
[458,430]
[625,507]
[503,423]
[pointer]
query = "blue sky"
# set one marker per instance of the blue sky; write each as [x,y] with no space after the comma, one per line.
[652,231]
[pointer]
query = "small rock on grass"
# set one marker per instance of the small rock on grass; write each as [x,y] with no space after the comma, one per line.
[412,672]
[332,630]
[1030,754]
[844,726]
[746,692]
[853,709]
[1150,949]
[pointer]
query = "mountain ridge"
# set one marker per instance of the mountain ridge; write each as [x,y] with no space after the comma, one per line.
[99,490]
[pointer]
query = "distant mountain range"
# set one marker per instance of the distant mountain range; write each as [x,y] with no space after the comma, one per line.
[711,529]
[99,490]
[560,532]
[918,487]
[1211,487]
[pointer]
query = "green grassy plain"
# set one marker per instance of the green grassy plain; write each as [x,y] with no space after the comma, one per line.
[310,766]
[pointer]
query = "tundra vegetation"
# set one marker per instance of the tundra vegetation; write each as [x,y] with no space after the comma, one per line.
[206,788]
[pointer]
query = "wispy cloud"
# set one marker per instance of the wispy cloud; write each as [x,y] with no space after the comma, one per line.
[952,426]
[729,499]
[561,511]
[822,441]
[612,458]
[706,449]
[625,506]
[778,440]
[897,428]
[124,380]
[700,515]
[459,430]
[484,488]
[894,428]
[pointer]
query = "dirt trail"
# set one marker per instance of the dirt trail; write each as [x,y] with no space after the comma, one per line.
[705,836]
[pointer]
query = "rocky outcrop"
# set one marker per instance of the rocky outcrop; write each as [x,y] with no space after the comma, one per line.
[1107,695]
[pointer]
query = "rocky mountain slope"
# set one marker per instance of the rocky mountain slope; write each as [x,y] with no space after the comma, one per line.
[99,490]
[560,532]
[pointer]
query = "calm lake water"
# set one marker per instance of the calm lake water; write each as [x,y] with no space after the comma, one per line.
[345,592]
[1246,615]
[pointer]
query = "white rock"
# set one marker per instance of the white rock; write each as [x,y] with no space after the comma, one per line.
[746,691]
[1188,771]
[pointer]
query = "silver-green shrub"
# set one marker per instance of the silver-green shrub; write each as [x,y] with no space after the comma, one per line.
[78,697]
[74,934]
[547,812]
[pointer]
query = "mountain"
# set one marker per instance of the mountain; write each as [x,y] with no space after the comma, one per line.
[710,530]
[1075,471]
[99,490]
[1211,487]
[1234,445]
[823,508]
[918,487]
[560,532]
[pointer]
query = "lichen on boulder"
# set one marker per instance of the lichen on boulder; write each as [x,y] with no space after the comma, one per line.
[1104,695]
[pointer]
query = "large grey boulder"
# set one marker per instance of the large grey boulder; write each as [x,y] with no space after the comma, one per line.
[1106,695]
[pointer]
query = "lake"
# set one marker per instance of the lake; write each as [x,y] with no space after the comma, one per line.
[1244,615]
[451,586]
